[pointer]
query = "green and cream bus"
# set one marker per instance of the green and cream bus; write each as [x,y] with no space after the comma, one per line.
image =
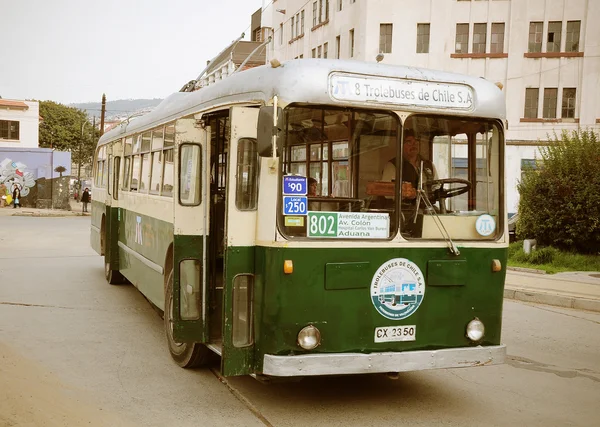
[277,220]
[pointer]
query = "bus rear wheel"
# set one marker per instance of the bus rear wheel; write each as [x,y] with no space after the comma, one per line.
[186,355]
[113,277]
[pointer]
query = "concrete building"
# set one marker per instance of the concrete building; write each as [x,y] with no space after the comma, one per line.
[545,53]
[19,123]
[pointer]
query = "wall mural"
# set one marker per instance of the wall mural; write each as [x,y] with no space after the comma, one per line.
[12,174]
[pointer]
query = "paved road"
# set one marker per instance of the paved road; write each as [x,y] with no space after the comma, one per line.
[93,352]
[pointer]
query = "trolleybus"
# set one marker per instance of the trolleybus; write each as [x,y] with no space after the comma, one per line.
[275,215]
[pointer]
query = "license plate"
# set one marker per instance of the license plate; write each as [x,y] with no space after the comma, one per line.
[396,333]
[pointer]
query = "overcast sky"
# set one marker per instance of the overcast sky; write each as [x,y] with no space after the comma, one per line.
[74,50]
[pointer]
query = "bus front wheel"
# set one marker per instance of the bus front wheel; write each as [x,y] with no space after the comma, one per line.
[186,355]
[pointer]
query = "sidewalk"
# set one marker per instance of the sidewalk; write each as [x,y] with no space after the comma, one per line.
[579,290]
[75,211]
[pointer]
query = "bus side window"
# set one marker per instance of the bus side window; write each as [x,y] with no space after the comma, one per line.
[190,174]
[246,196]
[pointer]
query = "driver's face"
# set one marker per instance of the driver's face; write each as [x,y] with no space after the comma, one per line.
[410,147]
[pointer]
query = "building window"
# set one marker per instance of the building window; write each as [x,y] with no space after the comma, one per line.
[385,38]
[568,103]
[479,38]
[531,103]
[9,129]
[352,43]
[550,101]
[302,22]
[320,11]
[298,32]
[462,38]
[301,56]
[422,38]
[326,10]
[325,48]
[572,42]
[318,51]
[315,11]
[338,45]
[340,3]
[497,42]
[292,27]
[535,36]
[554,30]
[280,34]
[314,53]
[258,35]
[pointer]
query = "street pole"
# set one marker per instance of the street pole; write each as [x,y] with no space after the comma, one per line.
[79,163]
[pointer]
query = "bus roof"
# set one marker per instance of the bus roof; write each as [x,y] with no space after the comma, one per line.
[308,81]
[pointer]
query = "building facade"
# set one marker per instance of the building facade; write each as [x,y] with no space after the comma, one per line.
[544,53]
[19,123]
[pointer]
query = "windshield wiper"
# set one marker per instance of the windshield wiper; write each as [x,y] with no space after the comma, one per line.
[438,222]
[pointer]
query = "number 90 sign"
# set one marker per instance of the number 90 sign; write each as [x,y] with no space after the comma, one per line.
[294,185]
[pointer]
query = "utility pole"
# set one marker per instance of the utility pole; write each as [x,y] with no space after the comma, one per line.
[79,163]
[102,113]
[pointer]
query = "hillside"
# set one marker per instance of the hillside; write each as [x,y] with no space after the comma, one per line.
[120,108]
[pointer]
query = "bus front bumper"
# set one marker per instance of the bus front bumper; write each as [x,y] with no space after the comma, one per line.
[358,363]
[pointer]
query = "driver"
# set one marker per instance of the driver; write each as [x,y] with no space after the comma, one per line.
[411,168]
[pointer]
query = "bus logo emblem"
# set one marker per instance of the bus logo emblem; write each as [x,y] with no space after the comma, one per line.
[397,289]
[485,225]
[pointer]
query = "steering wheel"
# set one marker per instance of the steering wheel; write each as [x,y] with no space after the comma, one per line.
[438,192]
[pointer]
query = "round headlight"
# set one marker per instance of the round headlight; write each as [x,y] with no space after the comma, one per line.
[309,337]
[475,330]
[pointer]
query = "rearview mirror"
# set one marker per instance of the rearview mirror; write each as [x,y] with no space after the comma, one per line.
[266,130]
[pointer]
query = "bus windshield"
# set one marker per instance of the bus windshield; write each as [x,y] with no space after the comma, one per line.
[342,153]
[445,170]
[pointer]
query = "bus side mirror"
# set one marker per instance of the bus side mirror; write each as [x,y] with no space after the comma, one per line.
[266,130]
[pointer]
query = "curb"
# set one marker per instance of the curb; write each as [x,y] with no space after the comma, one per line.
[527,270]
[552,299]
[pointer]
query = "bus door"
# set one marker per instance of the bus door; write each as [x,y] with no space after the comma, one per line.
[190,229]
[242,191]
[111,255]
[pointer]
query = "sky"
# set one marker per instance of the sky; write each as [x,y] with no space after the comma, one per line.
[71,51]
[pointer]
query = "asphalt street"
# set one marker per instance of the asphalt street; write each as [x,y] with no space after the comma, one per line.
[65,332]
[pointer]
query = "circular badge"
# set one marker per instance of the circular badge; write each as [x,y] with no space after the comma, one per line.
[397,289]
[485,225]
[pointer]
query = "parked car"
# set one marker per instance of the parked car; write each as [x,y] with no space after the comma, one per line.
[512,227]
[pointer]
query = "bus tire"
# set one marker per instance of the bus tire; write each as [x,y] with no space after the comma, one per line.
[113,277]
[186,355]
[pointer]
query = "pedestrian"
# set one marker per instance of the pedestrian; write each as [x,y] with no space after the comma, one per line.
[16,195]
[85,199]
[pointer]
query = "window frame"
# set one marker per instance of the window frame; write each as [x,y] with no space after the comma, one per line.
[529,101]
[182,146]
[8,125]
[536,30]
[386,35]
[479,43]
[572,44]
[423,37]
[570,110]
[550,104]
[554,45]
[497,46]
[460,36]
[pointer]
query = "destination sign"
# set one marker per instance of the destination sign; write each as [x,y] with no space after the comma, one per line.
[345,87]
[348,225]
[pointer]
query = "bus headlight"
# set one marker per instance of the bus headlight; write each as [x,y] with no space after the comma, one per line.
[475,330]
[309,337]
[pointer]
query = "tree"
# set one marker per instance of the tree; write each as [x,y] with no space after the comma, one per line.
[60,170]
[61,129]
[560,200]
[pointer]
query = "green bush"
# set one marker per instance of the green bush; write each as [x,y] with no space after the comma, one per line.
[543,255]
[560,199]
